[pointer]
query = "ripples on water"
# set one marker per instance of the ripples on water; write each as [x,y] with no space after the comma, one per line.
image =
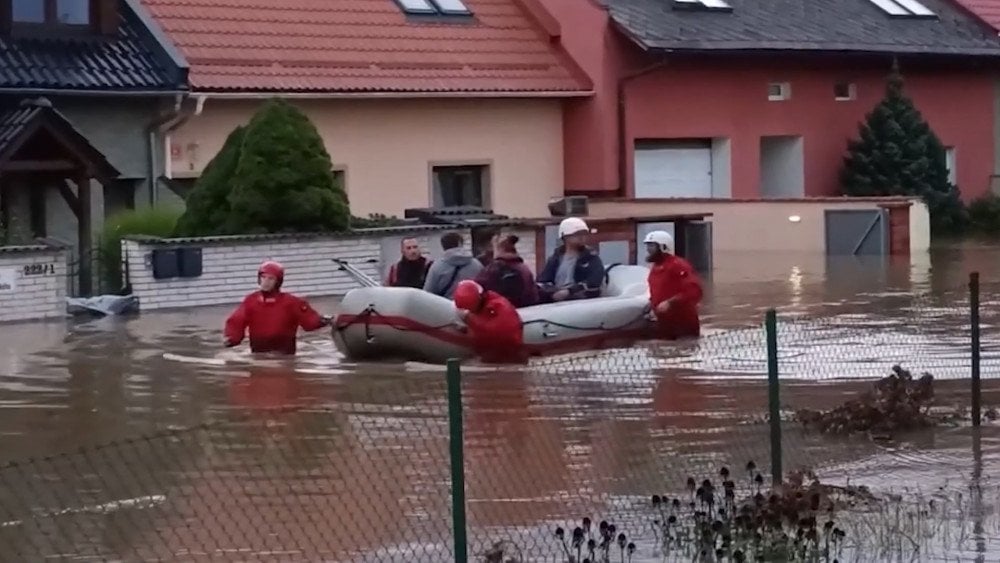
[354,461]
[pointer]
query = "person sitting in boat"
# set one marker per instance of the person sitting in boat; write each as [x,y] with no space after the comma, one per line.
[573,271]
[674,288]
[411,270]
[492,322]
[455,266]
[272,317]
[486,256]
[508,275]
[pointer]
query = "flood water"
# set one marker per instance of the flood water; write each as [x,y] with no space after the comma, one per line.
[140,439]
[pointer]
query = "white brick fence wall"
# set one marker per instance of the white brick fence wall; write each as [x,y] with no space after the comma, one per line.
[229,264]
[33,282]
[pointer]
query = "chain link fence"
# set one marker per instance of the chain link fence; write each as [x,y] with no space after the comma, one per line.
[592,435]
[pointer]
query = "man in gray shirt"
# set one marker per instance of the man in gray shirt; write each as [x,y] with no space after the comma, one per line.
[456,265]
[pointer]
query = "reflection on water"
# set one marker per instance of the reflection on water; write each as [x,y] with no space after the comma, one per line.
[316,459]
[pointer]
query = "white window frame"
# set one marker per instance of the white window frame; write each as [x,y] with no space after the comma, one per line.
[951,163]
[784,91]
[852,91]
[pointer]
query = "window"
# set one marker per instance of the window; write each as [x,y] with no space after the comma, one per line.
[435,7]
[51,12]
[903,8]
[721,5]
[844,91]
[460,185]
[778,91]
[340,177]
[949,162]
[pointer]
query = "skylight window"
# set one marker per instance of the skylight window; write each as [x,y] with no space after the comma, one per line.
[703,5]
[435,7]
[904,8]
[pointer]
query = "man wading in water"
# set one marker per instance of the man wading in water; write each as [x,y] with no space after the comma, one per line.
[411,270]
[273,318]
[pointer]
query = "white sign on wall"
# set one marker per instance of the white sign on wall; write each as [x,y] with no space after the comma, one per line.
[8,280]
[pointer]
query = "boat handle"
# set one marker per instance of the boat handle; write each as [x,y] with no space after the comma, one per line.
[548,333]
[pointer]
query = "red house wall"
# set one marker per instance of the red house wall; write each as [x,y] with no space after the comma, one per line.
[716,98]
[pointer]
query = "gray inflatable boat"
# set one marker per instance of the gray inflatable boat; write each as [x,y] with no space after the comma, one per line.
[380,323]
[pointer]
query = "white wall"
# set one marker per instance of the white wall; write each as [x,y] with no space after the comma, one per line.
[229,264]
[41,294]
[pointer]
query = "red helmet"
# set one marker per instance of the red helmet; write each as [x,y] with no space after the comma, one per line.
[468,295]
[272,268]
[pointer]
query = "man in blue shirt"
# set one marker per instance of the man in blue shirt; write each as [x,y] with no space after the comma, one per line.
[573,271]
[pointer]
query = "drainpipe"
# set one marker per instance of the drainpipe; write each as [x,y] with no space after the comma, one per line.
[151,131]
[622,146]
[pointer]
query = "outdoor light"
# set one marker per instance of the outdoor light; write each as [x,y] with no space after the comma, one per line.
[794,218]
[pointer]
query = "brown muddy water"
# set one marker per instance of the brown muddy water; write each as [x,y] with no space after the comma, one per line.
[140,439]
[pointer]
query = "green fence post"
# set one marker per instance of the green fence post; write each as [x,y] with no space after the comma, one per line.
[977,389]
[773,395]
[456,443]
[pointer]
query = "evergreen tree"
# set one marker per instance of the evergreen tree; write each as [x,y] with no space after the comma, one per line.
[208,208]
[897,153]
[284,179]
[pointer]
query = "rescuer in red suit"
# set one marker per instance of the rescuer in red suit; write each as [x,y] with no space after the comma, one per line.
[674,288]
[493,323]
[272,317]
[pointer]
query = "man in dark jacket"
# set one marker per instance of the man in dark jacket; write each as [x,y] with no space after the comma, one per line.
[456,265]
[411,270]
[573,271]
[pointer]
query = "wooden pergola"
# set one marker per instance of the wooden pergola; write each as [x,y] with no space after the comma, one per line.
[39,146]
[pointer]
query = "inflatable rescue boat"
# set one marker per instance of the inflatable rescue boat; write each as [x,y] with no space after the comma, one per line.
[379,323]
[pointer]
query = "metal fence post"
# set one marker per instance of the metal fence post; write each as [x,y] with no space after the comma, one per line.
[977,389]
[456,444]
[773,395]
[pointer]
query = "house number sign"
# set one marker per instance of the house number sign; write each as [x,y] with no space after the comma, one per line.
[39,269]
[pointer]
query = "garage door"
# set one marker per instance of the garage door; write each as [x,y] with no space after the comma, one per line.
[674,169]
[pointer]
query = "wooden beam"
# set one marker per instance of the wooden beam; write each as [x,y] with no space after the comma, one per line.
[71,199]
[40,166]
[83,221]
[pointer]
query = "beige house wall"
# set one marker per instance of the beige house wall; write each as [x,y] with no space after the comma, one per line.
[386,148]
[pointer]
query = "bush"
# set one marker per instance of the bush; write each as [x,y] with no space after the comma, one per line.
[897,153]
[284,179]
[376,220]
[984,215]
[208,203]
[154,221]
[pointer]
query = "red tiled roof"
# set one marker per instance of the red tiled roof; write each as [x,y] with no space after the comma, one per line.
[986,10]
[362,46]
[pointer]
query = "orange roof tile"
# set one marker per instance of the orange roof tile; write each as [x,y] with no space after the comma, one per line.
[986,10]
[363,46]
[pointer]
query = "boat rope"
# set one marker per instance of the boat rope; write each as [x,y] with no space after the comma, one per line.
[600,327]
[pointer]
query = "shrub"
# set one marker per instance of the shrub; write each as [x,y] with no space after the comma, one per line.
[154,221]
[208,203]
[284,179]
[897,153]
[984,215]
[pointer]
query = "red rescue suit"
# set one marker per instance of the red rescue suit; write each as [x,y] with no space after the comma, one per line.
[273,319]
[496,330]
[672,277]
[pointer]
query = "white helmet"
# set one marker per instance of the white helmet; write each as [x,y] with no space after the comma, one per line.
[571,226]
[661,238]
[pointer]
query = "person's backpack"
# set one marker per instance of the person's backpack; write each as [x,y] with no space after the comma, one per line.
[510,283]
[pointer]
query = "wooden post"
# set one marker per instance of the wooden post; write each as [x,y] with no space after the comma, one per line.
[83,222]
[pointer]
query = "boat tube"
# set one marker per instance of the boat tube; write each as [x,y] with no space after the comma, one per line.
[379,323]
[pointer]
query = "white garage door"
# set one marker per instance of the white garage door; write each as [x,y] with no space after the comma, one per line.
[673,170]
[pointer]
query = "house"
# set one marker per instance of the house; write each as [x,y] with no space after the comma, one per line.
[421,103]
[748,99]
[84,85]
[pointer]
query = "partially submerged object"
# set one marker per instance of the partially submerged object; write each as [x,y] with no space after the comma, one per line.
[376,323]
[103,304]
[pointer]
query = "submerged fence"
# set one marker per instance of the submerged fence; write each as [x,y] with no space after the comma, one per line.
[483,464]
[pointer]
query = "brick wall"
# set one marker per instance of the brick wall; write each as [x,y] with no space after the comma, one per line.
[229,264]
[38,288]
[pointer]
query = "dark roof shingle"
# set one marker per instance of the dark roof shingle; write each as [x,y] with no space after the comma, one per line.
[132,60]
[803,25]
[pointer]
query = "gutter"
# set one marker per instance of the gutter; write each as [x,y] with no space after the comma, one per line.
[622,130]
[97,93]
[161,124]
[266,95]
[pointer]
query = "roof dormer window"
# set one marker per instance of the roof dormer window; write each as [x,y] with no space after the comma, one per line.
[434,7]
[710,5]
[904,8]
[51,12]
